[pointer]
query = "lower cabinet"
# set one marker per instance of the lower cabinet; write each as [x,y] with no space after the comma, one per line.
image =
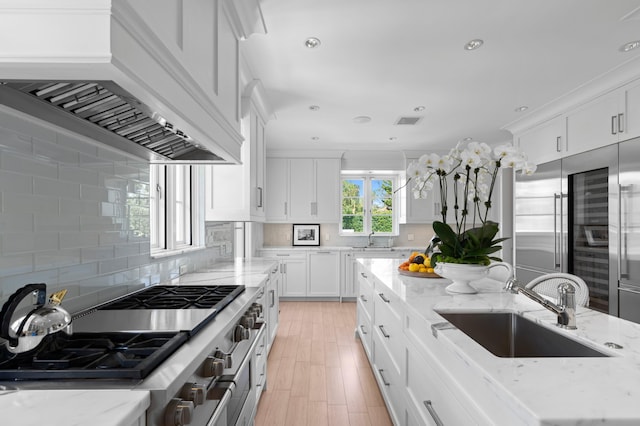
[272,304]
[324,273]
[390,379]
[294,277]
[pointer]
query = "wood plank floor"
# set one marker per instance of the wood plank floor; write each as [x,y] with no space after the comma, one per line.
[317,372]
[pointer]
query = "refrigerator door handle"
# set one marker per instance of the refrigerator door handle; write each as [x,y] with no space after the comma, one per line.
[624,232]
[556,234]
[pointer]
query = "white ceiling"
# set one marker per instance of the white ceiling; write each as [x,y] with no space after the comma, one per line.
[382,58]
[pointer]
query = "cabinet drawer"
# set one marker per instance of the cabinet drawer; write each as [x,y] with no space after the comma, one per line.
[388,325]
[365,294]
[389,380]
[429,394]
[364,329]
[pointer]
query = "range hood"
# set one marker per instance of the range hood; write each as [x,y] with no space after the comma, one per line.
[105,112]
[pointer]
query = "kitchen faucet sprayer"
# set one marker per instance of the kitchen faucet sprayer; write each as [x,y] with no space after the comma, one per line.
[565,308]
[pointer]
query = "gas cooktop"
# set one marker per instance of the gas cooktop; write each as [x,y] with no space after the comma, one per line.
[177,297]
[95,356]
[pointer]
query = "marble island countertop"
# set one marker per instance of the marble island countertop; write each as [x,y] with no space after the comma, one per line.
[550,391]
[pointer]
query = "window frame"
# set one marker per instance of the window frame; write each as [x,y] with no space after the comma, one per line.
[170,234]
[367,177]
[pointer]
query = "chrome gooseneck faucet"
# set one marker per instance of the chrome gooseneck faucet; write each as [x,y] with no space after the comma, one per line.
[565,308]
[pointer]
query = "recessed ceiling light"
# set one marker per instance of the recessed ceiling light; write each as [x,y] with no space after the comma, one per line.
[419,108]
[314,108]
[315,138]
[362,119]
[521,108]
[393,138]
[630,46]
[312,42]
[473,44]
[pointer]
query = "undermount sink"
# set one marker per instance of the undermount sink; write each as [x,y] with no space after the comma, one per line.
[372,248]
[509,335]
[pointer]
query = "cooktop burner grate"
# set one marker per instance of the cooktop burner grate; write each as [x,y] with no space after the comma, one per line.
[96,356]
[178,297]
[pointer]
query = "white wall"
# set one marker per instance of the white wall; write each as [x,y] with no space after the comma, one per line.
[73,215]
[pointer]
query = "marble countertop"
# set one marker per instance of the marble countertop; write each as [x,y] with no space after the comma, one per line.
[316,248]
[558,391]
[72,407]
[248,272]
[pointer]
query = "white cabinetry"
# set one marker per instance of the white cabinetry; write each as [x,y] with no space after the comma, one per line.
[294,276]
[633,111]
[272,304]
[545,142]
[422,210]
[324,273]
[597,123]
[364,316]
[303,190]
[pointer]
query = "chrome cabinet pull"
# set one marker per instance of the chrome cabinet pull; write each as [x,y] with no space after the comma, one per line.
[620,123]
[362,329]
[364,299]
[285,208]
[433,413]
[363,275]
[384,381]
[383,297]
[273,298]
[259,196]
[558,139]
[383,331]
[613,125]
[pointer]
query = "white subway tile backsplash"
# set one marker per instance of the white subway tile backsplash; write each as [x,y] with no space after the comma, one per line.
[79,239]
[16,264]
[95,163]
[126,250]
[80,207]
[30,203]
[16,222]
[56,188]
[90,254]
[78,272]
[126,171]
[26,126]
[77,143]
[54,152]
[14,142]
[137,261]
[56,259]
[98,223]
[113,265]
[95,193]
[112,155]
[11,284]
[15,182]
[78,175]
[14,243]
[113,237]
[51,223]
[28,165]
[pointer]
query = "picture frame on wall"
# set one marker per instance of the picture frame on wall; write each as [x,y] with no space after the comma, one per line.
[306,235]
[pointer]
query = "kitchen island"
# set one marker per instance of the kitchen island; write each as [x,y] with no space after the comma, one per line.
[427,368]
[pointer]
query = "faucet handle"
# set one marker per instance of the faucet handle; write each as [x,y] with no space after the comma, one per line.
[511,285]
[566,296]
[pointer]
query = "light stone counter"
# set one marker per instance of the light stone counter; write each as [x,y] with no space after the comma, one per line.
[549,391]
[73,407]
[248,272]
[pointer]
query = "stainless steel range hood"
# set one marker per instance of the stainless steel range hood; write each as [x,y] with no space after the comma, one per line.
[103,111]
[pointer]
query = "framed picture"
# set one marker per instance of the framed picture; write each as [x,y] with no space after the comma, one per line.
[306,235]
[597,235]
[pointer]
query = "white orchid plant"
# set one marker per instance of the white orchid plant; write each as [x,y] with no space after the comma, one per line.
[473,171]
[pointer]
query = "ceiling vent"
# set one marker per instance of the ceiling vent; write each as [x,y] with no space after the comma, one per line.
[411,121]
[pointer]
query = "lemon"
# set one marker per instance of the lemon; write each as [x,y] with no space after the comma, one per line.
[427,262]
[430,270]
[414,267]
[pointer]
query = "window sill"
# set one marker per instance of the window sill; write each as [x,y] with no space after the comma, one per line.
[159,254]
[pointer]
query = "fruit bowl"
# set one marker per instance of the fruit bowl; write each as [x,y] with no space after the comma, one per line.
[418,274]
[418,265]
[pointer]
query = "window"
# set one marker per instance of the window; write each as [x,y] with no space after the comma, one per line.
[173,212]
[367,205]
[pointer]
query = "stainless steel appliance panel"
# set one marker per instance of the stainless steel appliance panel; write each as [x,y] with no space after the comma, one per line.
[630,213]
[629,303]
[538,222]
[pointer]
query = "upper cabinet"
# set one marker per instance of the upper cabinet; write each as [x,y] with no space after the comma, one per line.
[606,119]
[237,192]
[303,189]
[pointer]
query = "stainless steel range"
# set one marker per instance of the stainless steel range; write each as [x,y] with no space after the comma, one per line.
[197,349]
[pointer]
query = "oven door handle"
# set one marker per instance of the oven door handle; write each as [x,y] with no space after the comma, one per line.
[222,405]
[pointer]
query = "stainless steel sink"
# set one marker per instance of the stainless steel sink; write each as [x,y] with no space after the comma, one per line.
[509,335]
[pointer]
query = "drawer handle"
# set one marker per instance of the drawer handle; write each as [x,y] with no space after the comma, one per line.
[383,297]
[362,329]
[384,333]
[384,381]
[433,413]
[273,298]
[363,275]
[364,299]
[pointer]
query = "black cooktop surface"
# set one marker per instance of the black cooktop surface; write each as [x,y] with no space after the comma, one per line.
[178,297]
[95,356]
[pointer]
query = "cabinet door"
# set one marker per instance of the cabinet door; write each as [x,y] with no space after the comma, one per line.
[595,124]
[422,210]
[324,273]
[277,198]
[327,190]
[257,170]
[545,142]
[295,278]
[632,116]
[301,189]
[273,304]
